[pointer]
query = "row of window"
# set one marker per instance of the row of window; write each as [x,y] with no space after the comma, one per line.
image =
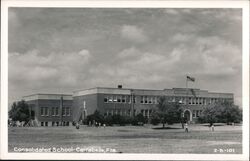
[64,123]
[145,112]
[149,100]
[118,99]
[54,111]
[197,113]
[118,112]
[154,99]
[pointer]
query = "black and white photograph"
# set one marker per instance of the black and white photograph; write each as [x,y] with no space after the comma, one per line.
[125,80]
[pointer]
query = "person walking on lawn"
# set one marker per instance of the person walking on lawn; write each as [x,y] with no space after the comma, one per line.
[186,128]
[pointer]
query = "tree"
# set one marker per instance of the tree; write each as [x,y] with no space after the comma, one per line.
[210,114]
[139,119]
[20,111]
[169,112]
[224,112]
[155,119]
[230,113]
[96,116]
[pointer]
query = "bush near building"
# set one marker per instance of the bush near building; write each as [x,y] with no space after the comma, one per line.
[109,120]
[221,112]
[20,111]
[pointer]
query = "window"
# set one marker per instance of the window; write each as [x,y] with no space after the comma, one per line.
[123,99]
[115,99]
[145,99]
[154,100]
[57,111]
[105,99]
[42,111]
[119,99]
[68,111]
[53,111]
[142,99]
[150,112]
[197,113]
[150,100]
[110,99]
[46,123]
[128,99]
[64,111]
[42,124]
[194,113]
[134,99]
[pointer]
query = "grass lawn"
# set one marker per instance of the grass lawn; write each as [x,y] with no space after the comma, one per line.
[131,139]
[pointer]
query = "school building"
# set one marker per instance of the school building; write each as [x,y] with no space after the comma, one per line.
[57,109]
[50,109]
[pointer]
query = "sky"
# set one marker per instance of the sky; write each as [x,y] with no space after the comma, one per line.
[60,50]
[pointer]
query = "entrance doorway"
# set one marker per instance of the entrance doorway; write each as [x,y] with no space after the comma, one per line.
[187,115]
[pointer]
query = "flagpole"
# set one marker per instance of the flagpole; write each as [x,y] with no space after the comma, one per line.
[186,93]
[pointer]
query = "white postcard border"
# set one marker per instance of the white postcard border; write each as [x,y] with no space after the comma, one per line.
[123,4]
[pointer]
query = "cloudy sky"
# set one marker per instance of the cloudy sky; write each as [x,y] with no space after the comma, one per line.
[62,50]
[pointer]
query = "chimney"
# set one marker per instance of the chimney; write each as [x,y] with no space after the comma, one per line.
[119,86]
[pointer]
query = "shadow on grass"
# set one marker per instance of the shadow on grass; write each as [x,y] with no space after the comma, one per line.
[165,128]
[215,124]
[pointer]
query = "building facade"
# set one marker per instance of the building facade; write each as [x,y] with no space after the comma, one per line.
[130,102]
[51,109]
[61,110]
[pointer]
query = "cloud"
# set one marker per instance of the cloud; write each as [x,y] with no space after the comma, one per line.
[179,37]
[139,48]
[129,53]
[84,53]
[219,56]
[33,66]
[133,33]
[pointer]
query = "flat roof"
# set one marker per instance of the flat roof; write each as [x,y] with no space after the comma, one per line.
[43,96]
[129,91]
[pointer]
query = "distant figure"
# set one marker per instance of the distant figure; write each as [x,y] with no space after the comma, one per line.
[104,125]
[186,128]
[232,123]
[182,125]
[212,127]
[99,124]
[77,125]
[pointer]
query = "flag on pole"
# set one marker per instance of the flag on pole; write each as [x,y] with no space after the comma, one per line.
[190,78]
